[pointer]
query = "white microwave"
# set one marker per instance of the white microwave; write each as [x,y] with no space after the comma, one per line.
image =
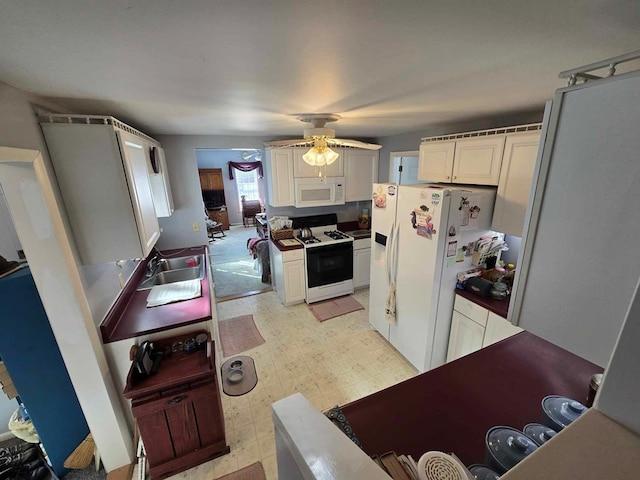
[319,192]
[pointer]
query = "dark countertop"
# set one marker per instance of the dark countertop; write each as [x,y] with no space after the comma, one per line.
[129,317]
[451,407]
[499,307]
[282,248]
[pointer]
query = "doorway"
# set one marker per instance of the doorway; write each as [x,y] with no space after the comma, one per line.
[403,168]
[239,255]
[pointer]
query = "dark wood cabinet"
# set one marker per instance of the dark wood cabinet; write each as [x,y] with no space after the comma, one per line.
[220,216]
[178,409]
[211,179]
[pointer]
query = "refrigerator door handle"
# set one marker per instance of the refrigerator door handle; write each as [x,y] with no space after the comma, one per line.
[394,253]
[388,253]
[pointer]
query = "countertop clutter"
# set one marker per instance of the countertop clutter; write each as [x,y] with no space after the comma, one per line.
[130,317]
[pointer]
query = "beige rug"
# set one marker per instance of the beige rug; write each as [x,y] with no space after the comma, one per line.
[252,472]
[335,307]
[239,334]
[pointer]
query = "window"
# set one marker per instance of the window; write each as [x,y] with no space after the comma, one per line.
[247,183]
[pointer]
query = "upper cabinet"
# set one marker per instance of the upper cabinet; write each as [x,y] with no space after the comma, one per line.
[520,154]
[160,186]
[468,161]
[282,165]
[303,169]
[279,172]
[103,168]
[211,179]
[361,171]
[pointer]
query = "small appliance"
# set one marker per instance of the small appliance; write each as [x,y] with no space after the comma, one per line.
[319,192]
[147,358]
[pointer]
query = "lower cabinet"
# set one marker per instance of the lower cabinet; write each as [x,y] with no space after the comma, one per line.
[361,262]
[288,274]
[474,327]
[178,410]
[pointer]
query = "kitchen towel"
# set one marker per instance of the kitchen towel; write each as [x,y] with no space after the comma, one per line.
[174,292]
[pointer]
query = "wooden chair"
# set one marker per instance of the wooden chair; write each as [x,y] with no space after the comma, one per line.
[249,210]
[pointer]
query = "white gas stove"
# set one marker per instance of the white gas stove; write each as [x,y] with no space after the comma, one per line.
[328,258]
[325,235]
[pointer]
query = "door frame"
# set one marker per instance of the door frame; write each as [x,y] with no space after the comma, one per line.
[393,156]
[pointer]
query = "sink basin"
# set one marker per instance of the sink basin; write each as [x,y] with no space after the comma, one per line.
[167,264]
[172,276]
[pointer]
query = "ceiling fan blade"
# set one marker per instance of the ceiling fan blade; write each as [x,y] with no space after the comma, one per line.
[289,143]
[353,143]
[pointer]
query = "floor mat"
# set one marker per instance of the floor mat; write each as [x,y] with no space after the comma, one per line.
[249,379]
[252,472]
[335,307]
[239,334]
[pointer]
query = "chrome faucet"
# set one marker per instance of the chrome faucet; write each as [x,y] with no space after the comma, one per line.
[152,266]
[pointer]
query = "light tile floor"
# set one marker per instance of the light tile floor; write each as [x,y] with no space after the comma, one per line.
[331,363]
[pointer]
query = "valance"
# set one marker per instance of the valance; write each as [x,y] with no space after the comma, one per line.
[245,167]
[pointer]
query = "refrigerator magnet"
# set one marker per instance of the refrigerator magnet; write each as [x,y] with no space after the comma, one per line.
[421,220]
[452,231]
[452,248]
[435,199]
[460,254]
[379,198]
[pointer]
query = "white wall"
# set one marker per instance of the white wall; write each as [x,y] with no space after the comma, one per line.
[180,151]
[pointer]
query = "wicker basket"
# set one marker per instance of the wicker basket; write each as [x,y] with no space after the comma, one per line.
[282,233]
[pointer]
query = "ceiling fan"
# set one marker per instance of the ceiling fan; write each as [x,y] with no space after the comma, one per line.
[251,155]
[323,138]
[318,132]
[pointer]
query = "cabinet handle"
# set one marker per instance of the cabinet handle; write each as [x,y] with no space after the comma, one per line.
[177,399]
[455,176]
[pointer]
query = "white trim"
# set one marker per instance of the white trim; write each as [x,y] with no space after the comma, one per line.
[531,127]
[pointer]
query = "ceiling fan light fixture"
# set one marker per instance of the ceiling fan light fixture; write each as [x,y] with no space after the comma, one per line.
[319,156]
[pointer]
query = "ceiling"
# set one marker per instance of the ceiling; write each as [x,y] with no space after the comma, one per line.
[239,67]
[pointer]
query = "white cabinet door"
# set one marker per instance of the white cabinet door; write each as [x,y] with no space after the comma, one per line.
[279,166]
[361,267]
[436,161]
[294,282]
[160,186]
[136,161]
[497,329]
[361,171]
[303,169]
[9,242]
[516,175]
[477,160]
[466,336]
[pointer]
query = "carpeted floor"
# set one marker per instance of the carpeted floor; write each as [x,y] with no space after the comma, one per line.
[234,270]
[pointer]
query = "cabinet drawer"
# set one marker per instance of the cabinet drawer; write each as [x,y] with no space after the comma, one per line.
[475,312]
[291,255]
[172,398]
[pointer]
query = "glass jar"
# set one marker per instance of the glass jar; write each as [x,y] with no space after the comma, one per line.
[499,291]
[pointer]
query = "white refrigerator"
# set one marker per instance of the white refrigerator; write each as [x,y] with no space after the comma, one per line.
[420,235]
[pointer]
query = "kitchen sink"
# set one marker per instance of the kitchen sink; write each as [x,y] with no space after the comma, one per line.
[179,273]
[168,264]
